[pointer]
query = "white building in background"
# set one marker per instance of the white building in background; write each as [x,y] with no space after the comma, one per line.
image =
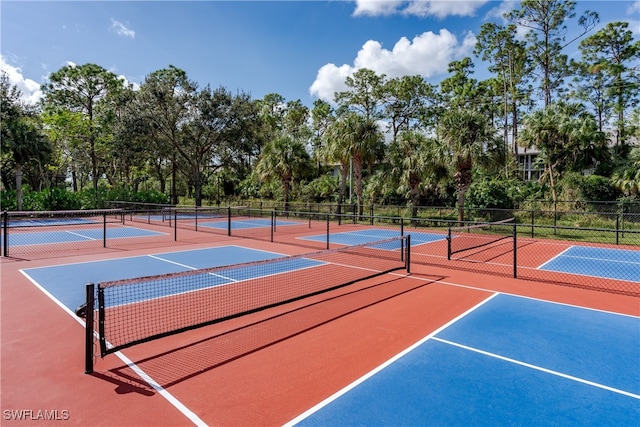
[529,171]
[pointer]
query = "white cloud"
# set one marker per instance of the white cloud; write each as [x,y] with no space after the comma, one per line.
[30,89]
[121,30]
[633,8]
[377,7]
[421,8]
[126,82]
[428,54]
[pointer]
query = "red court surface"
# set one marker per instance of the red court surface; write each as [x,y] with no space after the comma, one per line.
[262,369]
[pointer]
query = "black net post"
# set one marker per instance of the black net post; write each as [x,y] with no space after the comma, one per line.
[407,258]
[273,222]
[515,249]
[88,348]
[104,229]
[229,221]
[449,244]
[175,225]
[5,238]
[328,231]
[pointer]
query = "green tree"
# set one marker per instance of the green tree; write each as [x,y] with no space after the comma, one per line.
[508,59]
[626,177]
[22,136]
[163,102]
[217,126]
[546,38]
[567,138]
[466,134]
[416,162]
[286,160]
[365,95]
[406,99]
[612,55]
[84,89]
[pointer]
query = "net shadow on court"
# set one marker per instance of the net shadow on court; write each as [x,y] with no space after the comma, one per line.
[211,352]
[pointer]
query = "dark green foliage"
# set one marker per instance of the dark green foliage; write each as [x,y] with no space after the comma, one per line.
[591,188]
[62,199]
[493,193]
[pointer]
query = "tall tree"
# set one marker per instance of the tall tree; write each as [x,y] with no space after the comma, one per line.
[217,123]
[406,99]
[365,94]
[545,21]
[568,140]
[21,135]
[466,134]
[360,139]
[163,101]
[286,160]
[612,55]
[416,162]
[82,89]
[508,59]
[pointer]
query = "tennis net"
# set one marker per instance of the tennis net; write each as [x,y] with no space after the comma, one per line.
[478,235]
[133,311]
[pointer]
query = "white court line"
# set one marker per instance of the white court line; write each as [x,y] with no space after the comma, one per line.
[551,259]
[539,368]
[79,235]
[370,374]
[164,393]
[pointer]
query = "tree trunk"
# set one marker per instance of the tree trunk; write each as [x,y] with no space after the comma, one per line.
[461,192]
[343,188]
[357,172]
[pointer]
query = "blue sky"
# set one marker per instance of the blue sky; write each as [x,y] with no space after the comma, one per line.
[299,49]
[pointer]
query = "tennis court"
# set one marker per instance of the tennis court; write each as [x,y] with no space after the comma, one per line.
[371,235]
[551,364]
[290,337]
[53,237]
[600,262]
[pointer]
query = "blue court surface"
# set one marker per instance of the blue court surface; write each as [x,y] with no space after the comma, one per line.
[44,222]
[79,235]
[609,263]
[66,283]
[373,235]
[508,361]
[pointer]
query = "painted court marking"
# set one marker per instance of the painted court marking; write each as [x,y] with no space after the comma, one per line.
[343,407]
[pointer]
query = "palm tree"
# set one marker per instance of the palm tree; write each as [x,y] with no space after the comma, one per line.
[415,161]
[286,159]
[335,150]
[26,142]
[627,176]
[567,138]
[466,134]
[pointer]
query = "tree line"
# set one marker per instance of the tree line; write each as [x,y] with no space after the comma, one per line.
[400,139]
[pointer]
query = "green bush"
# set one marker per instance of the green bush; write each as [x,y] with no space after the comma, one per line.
[490,194]
[63,199]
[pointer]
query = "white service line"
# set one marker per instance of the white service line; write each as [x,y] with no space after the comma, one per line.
[370,374]
[538,368]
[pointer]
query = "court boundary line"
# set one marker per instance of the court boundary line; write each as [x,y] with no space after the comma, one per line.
[459,285]
[561,254]
[538,368]
[173,401]
[86,238]
[80,235]
[385,364]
